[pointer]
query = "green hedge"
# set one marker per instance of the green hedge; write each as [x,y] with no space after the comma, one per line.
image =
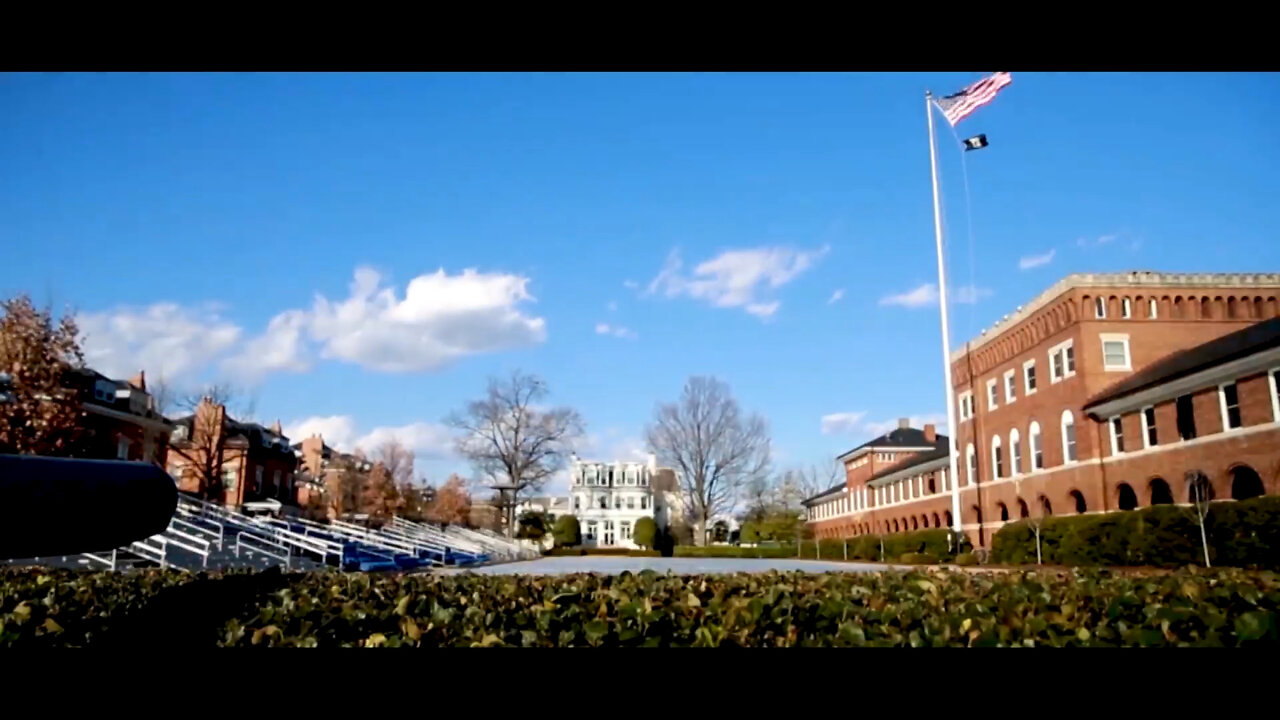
[736,551]
[1241,534]
[918,559]
[1191,606]
[614,552]
[965,559]
[867,547]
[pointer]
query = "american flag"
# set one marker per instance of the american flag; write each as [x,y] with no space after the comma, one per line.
[960,105]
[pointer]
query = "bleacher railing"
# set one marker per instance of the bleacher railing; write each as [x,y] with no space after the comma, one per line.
[254,544]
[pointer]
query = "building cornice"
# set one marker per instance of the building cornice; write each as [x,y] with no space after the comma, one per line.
[1136,280]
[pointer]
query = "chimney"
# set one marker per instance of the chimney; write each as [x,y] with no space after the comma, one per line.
[930,434]
[139,381]
[276,428]
[904,423]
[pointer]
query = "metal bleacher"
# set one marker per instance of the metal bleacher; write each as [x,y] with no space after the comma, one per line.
[207,536]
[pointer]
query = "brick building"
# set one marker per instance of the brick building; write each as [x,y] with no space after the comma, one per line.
[1037,394]
[321,469]
[120,422]
[231,462]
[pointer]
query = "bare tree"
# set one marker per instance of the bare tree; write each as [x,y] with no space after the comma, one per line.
[196,453]
[1039,512]
[510,440]
[800,483]
[164,399]
[714,450]
[239,404]
[397,459]
[40,415]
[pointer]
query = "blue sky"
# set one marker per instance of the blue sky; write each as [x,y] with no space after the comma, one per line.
[266,228]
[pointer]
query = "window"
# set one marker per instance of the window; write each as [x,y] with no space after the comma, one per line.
[1151,308]
[991,394]
[1274,377]
[1099,307]
[1117,435]
[1115,352]
[1029,377]
[971,463]
[1149,426]
[644,503]
[1010,387]
[617,503]
[997,458]
[631,503]
[966,405]
[122,448]
[1068,437]
[1062,361]
[275,480]
[229,478]
[1229,400]
[1037,450]
[1125,309]
[1186,417]
[604,503]
[1015,452]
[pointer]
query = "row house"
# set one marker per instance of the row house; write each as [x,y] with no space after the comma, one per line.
[120,420]
[321,468]
[1045,404]
[234,463]
[609,498]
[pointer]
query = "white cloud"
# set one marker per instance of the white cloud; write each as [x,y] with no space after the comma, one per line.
[927,295]
[280,347]
[442,318]
[836,296]
[735,278]
[616,331]
[876,428]
[428,441]
[612,306]
[1100,240]
[630,284]
[841,423]
[1034,261]
[165,339]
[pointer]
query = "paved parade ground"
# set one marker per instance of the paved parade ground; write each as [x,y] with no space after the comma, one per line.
[680,566]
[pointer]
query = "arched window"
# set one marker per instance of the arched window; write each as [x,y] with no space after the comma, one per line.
[997,458]
[1159,492]
[1015,453]
[1126,497]
[1245,483]
[1078,498]
[949,518]
[1068,437]
[971,463]
[1004,512]
[895,526]
[1023,510]
[915,524]
[932,489]
[1046,507]
[936,521]
[1037,447]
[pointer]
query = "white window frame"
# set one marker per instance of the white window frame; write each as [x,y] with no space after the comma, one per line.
[1222,406]
[1010,387]
[1122,338]
[1015,453]
[1027,368]
[1275,401]
[1146,426]
[1126,308]
[1034,436]
[122,448]
[1115,439]
[1152,308]
[1061,350]
[1100,308]
[992,395]
[995,466]
[970,464]
[1062,432]
[965,405]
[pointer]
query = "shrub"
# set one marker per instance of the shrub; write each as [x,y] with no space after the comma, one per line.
[645,532]
[1221,607]
[607,552]
[918,559]
[966,559]
[731,551]
[566,532]
[750,533]
[1241,534]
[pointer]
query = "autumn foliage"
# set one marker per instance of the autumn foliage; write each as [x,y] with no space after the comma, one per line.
[452,503]
[43,416]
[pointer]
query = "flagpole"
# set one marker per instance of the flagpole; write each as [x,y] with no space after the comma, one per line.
[946,337]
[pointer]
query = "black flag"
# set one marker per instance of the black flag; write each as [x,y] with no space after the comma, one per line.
[977,142]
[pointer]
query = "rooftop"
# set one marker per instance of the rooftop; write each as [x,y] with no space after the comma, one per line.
[1241,343]
[1136,279]
[900,437]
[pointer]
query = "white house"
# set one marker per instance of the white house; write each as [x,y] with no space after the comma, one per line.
[609,498]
